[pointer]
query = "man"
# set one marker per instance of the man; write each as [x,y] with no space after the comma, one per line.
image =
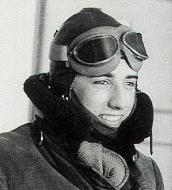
[92,114]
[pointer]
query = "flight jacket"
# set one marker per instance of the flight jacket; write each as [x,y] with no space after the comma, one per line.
[23,166]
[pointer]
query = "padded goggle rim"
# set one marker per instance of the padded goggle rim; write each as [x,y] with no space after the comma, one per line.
[134,64]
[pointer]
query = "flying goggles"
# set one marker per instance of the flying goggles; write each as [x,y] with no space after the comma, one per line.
[98,51]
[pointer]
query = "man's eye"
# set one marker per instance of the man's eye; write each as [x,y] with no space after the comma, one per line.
[131,84]
[102,82]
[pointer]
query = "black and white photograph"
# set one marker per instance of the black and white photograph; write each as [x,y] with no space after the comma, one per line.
[86,95]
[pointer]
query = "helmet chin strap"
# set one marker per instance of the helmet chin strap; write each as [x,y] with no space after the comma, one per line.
[151,142]
[151,135]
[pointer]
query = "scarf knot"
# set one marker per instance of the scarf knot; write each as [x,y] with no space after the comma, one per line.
[105,162]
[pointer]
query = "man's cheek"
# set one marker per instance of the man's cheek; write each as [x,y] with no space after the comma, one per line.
[92,104]
[131,103]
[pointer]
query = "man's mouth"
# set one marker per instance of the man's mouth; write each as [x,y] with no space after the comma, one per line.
[112,120]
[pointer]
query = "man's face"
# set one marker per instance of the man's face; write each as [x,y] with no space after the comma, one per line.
[110,97]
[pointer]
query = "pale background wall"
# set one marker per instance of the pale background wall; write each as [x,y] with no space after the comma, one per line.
[24,40]
[17,25]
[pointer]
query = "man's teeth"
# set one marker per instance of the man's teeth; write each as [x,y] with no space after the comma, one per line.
[110,118]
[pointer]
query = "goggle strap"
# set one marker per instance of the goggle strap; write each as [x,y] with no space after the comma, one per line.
[58,52]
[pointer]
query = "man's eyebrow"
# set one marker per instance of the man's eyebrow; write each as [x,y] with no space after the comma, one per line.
[108,75]
[132,76]
[127,77]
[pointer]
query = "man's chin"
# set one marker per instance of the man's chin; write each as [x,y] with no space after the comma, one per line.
[112,125]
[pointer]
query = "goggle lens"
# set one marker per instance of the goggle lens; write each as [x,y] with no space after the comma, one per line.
[134,42]
[96,50]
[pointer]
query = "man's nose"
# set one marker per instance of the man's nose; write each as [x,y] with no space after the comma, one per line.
[117,99]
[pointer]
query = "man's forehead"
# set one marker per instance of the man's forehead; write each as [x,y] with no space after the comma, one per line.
[111,75]
[122,69]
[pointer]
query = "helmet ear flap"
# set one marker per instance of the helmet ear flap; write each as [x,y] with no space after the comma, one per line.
[139,125]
